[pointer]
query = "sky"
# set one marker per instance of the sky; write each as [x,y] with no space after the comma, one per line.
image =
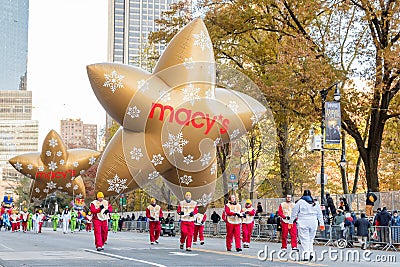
[64,37]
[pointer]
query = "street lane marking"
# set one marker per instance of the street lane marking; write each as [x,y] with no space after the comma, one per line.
[182,254]
[124,258]
[6,247]
[255,257]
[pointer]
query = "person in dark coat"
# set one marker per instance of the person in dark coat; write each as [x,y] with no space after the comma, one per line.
[215,219]
[259,210]
[330,204]
[395,225]
[383,219]
[363,226]
[369,203]
[344,205]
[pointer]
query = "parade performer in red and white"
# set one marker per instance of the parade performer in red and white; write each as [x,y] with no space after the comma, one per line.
[24,219]
[40,221]
[187,209]
[233,221]
[154,213]
[199,220]
[89,221]
[100,208]
[14,218]
[284,211]
[247,223]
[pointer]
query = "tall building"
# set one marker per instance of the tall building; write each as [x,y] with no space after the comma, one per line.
[13,44]
[76,134]
[18,132]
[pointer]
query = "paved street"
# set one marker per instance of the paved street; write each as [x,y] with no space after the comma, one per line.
[133,249]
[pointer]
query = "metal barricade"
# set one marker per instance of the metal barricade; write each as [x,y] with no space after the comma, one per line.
[395,235]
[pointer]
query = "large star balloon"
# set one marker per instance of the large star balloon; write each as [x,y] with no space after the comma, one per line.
[55,168]
[172,119]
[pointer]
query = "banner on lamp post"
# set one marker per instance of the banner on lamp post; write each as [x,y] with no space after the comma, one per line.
[332,122]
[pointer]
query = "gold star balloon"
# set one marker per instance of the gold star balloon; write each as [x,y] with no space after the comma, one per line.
[55,168]
[172,120]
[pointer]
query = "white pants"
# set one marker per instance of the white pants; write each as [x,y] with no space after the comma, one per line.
[65,226]
[35,227]
[307,229]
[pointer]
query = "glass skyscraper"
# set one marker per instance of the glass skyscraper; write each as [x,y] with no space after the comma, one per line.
[13,44]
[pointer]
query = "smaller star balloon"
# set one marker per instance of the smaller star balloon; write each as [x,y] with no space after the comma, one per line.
[55,168]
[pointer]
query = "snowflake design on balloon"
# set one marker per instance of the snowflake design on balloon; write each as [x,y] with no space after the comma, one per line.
[37,190]
[60,188]
[51,185]
[205,159]
[52,165]
[136,153]
[153,175]
[46,190]
[204,200]
[18,166]
[30,166]
[79,195]
[233,106]
[186,179]
[40,168]
[75,187]
[142,85]
[53,142]
[117,184]
[188,63]
[175,143]
[202,41]
[157,159]
[134,112]
[165,96]
[48,153]
[234,134]
[62,162]
[191,94]
[68,185]
[75,164]
[92,160]
[217,141]
[113,81]
[59,154]
[188,159]
[82,172]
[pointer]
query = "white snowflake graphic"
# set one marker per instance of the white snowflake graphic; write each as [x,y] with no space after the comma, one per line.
[37,190]
[204,200]
[234,134]
[175,143]
[188,63]
[134,112]
[51,185]
[142,85]
[79,195]
[191,94]
[53,142]
[62,162]
[30,166]
[113,80]
[68,185]
[46,190]
[60,188]
[75,164]
[217,141]
[116,184]
[75,187]
[52,165]
[82,172]
[153,175]
[186,179]
[48,153]
[165,96]
[40,168]
[205,159]
[157,159]
[59,154]
[188,159]
[18,166]
[35,199]
[202,40]
[213,169]
[210,93]
[233,106]
[73,178]
[92,160]
[136,153]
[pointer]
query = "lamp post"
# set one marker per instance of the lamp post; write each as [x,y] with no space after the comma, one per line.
[324,94]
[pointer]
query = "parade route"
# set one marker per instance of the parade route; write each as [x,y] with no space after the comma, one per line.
[133,249]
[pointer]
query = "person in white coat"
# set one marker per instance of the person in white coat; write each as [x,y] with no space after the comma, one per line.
[66,217]
[308,213]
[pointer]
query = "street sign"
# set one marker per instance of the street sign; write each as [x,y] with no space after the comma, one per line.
[122,201]
[233,186]
[232,177]
[319,178]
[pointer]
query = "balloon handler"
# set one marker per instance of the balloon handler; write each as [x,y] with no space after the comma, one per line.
[100,208]
[187,209]
[153,214]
